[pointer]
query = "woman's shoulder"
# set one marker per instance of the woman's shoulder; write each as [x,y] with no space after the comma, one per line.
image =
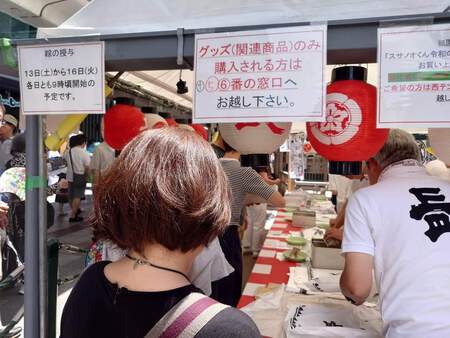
[94,272]
[230,323]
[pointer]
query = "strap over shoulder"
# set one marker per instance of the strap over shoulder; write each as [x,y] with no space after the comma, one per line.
[187,317]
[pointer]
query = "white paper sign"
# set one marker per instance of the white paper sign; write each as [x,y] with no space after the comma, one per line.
[62,78]
[273,75]
[297,161]
[414,77]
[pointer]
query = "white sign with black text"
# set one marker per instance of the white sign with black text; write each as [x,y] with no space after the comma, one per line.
[414,77]
[273,75]
[62,78]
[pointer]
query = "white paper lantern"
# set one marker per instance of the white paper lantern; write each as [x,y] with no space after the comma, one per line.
[255,138]
[187,127]
[440,143]
[155,121]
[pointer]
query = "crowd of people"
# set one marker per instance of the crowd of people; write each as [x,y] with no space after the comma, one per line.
[168,210]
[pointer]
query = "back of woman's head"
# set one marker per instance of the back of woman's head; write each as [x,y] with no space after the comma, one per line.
[166,187]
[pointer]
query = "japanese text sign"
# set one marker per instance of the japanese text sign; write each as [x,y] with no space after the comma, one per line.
[414,77]
[275,75]
[62,78]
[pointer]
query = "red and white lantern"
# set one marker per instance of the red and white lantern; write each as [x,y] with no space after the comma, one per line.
[255,137]
[187,127]
[200,130]
[154,121]
[349,133]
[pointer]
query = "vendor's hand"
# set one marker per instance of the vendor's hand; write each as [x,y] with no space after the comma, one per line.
[63,184]
[334,233]
[268,179]
[333,222]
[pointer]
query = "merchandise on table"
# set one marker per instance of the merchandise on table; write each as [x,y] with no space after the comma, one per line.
[328,320]
[325,257]
[304,218]
[295,255]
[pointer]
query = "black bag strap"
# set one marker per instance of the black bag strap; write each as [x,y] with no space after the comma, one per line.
[71,161]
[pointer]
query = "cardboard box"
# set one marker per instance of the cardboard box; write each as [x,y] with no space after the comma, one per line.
[323,257]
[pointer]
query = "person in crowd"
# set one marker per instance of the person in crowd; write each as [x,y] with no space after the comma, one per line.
[18,160]
[78,161]
[3,237]
[338,185]
[102,158]
[256,214]
[218,145]
[242,180]
[336,231]
[8,129]
[150,203]
[400,227]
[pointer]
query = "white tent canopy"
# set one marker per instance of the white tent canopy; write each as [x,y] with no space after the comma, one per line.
[110,17]
[137,16]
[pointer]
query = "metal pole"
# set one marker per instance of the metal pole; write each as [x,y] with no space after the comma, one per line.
[43,259]
[32,227]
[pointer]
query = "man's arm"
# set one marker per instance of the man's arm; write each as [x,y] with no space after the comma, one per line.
[356,279]
[277,200]
[338,222]
[358,246]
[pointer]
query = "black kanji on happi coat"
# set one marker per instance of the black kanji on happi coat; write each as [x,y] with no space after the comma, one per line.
[433,209]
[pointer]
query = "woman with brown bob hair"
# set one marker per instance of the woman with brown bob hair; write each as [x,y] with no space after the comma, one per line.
[163,200]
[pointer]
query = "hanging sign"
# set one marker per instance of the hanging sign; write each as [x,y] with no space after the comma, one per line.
[273,75]
[297,161]
[414,77]
[62,78]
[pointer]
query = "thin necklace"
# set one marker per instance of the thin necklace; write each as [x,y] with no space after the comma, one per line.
[139,261]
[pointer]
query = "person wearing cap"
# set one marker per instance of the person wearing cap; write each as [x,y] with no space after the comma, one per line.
[7,130]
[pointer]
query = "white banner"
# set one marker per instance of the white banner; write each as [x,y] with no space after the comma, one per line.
[297,160]
[273,75]
[414,77]
[62,78]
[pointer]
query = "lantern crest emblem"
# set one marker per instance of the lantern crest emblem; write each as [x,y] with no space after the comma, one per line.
[343,118]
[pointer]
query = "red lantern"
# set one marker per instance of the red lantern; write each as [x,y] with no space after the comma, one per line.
[200,130]
[349,133]
[122,124]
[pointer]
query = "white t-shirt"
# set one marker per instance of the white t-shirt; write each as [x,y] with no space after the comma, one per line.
[102,157]
[412,264]
[355,185]
[340,184]
[80,159]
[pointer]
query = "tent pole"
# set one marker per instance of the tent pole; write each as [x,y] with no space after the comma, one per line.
[33,258]
[43,257]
